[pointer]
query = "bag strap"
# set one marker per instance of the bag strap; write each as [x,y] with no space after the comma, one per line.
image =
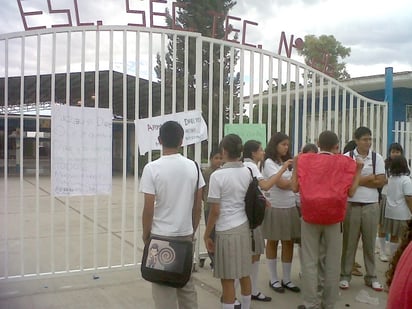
[197,182]
[373,160]
[251,173]
[253,210]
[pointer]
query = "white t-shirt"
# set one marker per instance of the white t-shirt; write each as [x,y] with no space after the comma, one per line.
[365,194]
[278,198]
[255,170]
[228,186]
[172,179]
[396,207]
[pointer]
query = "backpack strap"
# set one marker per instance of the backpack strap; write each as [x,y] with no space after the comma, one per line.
[373,160]
[251,173]
[197,181]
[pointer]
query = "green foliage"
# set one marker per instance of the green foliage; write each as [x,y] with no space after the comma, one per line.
[324,54]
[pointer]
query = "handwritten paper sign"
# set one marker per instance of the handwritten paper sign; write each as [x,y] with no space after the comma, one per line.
[248,131]
[194,126]
[81,150]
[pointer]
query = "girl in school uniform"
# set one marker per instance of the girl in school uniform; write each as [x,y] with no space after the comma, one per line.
[395,149]
[281,221]
[232,244]
[398,201]
[253,156]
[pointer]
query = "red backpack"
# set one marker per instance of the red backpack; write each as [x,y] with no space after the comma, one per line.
[324,182]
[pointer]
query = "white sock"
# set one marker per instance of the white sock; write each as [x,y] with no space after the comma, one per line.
[228,306]
[254,277]
[393,247]
[237,283]
[382,245]
[272,265]
[246,300]
[286,267]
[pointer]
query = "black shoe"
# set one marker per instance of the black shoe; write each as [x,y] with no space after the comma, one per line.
[290,286]
[259,296]
[278,289]
[301,307]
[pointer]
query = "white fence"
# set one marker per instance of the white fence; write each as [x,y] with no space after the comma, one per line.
[403,136]
[124,69]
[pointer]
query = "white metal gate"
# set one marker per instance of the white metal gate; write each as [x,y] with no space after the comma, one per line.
[403,136]
[114,67]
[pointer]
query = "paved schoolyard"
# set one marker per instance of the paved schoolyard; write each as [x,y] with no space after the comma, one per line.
[118,287]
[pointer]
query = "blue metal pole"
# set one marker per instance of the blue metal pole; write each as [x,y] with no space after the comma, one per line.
[389,100]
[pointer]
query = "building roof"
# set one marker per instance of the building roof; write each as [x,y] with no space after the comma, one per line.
[377,82]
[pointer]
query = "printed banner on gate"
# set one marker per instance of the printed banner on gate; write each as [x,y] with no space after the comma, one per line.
[192,122]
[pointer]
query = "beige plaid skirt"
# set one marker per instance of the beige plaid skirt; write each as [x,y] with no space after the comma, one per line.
[233,253]
[281,224]
[259,241]
[395,227]
[382,206]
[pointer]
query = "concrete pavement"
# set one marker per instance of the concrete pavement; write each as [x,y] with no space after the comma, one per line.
[126,289]
[118,287]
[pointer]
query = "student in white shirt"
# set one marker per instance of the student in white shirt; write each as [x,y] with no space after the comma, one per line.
[399,201]
[253,156]
[232,244]
[170,208]
[395,149]
[282,222]
[362,213]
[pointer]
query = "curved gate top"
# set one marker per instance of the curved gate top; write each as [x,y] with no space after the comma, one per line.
[137,73]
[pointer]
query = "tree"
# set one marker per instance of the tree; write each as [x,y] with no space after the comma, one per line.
[324,54]
[208,18]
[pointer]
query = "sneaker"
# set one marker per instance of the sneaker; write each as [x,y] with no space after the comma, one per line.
[383,257]
[344,284]
[376,250]
[375,285]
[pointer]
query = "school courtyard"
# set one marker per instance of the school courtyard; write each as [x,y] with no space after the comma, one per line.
[118,287]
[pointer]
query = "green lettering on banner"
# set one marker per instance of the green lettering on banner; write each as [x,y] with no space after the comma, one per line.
[248,131]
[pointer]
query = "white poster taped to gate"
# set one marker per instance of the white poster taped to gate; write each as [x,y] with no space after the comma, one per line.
[81,150]
[194,126]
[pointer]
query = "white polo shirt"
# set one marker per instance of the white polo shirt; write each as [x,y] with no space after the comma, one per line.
[255,170]
[365,194]
[278,197]
[396,207]
[228,186]
[172,179]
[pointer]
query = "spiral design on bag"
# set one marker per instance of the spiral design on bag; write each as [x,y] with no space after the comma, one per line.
[167,256]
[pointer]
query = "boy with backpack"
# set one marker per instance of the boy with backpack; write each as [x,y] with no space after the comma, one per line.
[324,181]
[362,215]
